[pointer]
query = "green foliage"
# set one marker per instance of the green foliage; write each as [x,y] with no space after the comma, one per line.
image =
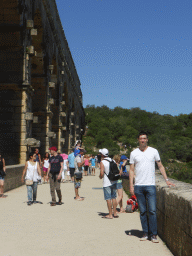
[179,171]
[170,135]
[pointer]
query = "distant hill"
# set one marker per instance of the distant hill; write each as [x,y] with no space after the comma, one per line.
[114,128]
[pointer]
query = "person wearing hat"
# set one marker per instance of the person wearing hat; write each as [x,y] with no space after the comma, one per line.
[79,163]
[54,173]
[109,187]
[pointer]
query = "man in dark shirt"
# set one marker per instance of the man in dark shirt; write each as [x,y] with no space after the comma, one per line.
[54,173]
[99,160]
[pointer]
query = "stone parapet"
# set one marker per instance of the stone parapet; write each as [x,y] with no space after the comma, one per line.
[174,215]
[13,177]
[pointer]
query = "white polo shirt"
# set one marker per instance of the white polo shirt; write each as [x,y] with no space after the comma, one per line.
[144,165]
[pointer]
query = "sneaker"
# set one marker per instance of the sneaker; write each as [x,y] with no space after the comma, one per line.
[154,239]
[29,203]
[144,237]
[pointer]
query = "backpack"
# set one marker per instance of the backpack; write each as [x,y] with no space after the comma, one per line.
[132,204]
[113,171]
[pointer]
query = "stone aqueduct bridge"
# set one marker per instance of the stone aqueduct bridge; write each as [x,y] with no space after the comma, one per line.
[40,94]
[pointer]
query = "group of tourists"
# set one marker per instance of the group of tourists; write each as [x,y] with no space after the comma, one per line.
[56,167]
[141,178]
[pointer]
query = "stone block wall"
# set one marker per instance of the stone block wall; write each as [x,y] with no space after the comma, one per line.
[174,215]
[13,177]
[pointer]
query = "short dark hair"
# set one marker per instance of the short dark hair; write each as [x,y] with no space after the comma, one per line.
[46,153]
[142,133]
[31,154]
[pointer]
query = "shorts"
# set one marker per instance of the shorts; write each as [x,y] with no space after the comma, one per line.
[86,168]
[77,183]
[119,185]
[110,192]
[92,167]
[1,178]
[45,169]
[72,170]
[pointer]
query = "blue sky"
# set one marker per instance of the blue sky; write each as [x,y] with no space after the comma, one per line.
[132,53]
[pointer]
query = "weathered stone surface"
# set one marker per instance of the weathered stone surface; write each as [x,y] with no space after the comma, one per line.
[32,142]
[30,70]
[28,116]
[13,177]
[174,215]
[50,134]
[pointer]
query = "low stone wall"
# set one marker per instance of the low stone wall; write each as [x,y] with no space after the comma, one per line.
[174,215]
[13,177]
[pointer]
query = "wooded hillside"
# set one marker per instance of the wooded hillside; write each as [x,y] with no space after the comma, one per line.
[171,135]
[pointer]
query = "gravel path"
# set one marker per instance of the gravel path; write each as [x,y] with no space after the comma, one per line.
[74,228]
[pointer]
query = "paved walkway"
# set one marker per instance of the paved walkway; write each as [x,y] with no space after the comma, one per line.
[74,228]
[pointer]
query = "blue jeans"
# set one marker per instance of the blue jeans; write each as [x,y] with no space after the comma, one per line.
[146,197]
[29,191]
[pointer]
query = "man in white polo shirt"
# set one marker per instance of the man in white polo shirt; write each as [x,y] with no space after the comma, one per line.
[109,187]
[142,161]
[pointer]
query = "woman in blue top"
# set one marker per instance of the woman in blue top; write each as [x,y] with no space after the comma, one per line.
[92,161]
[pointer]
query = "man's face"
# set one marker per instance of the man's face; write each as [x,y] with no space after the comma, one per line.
[52,152]
[143,140]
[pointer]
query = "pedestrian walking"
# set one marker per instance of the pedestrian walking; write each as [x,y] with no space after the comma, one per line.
[142,164]
[86,165]
[119,185]
[38,159]
[79,162]
[71,162]
[54,173]
[65,167]
[2,175]
[45,163]
[31,173]
[109,187]
[98,160]
[92,161]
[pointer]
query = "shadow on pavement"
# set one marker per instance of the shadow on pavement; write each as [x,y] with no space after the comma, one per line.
[102,214]
[37,202]
[134,232]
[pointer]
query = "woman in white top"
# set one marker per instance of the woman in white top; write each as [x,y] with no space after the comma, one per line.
[45,165]
[65,171]
[32,171]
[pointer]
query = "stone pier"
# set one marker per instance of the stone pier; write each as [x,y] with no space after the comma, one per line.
[40,94]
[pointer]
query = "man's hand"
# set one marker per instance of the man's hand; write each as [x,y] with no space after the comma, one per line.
[59,176]
[131,190]
[170,184]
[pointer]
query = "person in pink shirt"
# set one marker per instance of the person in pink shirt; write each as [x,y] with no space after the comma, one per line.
[86,165]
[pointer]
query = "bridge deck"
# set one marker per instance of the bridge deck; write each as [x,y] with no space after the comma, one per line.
[74,228]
